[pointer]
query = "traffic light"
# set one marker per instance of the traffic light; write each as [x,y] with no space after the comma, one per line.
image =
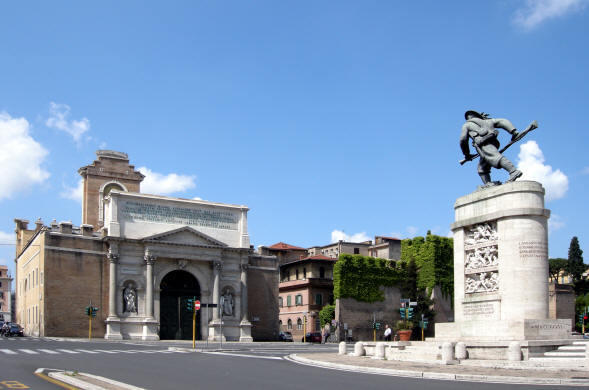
[402,311]
[88,310]
[190,304]
[581,317]
[410,313]
[93,311]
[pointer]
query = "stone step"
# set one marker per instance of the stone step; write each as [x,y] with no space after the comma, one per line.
[564,354]
[571,348]
[584,342]
[568,360]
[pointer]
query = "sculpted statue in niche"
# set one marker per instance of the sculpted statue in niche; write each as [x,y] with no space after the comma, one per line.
[481,233]
[483,282]
[227,304]
[130,299]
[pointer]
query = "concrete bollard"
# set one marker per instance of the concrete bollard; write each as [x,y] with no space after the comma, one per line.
[342,348]
[587,351]
[514,352]
[379,351]
[359,349]
[447,353]
[460,351]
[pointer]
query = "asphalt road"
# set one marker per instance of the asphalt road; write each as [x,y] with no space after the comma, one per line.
[153,366]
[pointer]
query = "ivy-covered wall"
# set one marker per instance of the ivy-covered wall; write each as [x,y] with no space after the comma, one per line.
[434,258]
[360,277]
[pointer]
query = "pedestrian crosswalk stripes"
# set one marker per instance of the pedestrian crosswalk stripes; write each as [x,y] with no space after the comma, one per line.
[64,351]
[28,351]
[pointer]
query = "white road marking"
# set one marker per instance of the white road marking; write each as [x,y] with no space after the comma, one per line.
[29,351]
[49,351]
[67,351]
[244,355]
[106,351]
[86,350]
[8,351]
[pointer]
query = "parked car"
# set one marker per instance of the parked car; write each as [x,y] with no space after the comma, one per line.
[15,330]
[313,337]
[285,336]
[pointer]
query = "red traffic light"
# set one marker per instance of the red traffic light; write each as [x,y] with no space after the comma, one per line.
[585,317]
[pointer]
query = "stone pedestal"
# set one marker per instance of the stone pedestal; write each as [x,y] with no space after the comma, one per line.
[501,267]
[113,329]
[245,332]
[149,330]
[216,331]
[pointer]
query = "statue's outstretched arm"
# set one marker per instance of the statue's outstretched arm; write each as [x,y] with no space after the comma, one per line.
[505,124]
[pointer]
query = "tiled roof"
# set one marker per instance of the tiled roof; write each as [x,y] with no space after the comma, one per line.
[282,245]
[319,257]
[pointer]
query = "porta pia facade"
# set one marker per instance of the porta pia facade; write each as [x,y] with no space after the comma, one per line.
[139,258]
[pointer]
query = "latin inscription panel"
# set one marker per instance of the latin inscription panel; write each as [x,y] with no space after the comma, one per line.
[481,310]
[533,250]
[135,211]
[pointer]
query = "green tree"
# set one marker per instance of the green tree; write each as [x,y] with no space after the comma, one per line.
[575,264]
[326,314]
[556,266]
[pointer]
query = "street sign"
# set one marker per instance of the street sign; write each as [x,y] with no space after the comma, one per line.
[412,303]
[197,305]
[404,300]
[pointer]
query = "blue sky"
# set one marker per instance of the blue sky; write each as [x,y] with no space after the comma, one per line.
[328,119]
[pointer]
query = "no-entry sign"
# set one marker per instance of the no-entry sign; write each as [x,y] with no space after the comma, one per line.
[197,305]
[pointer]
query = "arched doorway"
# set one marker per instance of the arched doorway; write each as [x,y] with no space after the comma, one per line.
[175,318]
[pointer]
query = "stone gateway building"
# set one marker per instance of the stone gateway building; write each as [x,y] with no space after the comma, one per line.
[139,258]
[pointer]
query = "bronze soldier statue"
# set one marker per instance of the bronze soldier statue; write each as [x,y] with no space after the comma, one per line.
[482,130]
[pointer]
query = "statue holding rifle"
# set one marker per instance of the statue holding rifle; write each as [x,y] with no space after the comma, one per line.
[483,131]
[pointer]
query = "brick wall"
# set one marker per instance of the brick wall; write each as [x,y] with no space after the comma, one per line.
[358,315]
[72,279]
[561,302]
[263,299]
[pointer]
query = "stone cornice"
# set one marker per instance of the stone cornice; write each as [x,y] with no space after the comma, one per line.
[498,215]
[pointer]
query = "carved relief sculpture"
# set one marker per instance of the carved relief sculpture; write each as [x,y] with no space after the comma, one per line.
[481,262]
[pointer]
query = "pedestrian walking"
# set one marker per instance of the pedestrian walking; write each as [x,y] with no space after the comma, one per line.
[387,333]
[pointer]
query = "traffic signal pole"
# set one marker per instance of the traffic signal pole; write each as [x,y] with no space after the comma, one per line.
[193,329]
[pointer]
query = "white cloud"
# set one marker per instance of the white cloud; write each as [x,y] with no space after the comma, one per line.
[412,230]
[531,163]
[21,157]
[535,12]
[338,235]
[157,183]
[58,119]
[74,193]
[555,223]
[7,238]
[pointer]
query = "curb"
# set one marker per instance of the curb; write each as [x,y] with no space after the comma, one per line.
[79,383]
[439,375]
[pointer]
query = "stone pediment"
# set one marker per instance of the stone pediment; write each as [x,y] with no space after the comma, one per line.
[184,236]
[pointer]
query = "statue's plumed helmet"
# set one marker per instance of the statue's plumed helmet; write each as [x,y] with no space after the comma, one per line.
[475,113]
